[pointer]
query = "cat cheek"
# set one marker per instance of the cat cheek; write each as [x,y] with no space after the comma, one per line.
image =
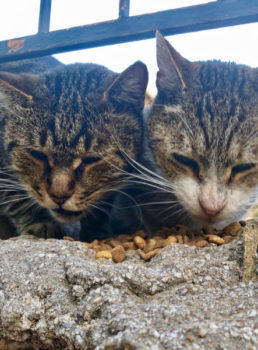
[38,193]
[187,191]
[239,199]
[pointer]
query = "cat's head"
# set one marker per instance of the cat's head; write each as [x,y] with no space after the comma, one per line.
[203,133]
[69,133]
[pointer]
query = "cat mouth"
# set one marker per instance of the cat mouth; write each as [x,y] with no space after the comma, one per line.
[67,215]
[208,220]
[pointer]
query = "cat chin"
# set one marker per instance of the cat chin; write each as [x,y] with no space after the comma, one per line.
[67,216]
[226,216]
[219,224]
[239,200]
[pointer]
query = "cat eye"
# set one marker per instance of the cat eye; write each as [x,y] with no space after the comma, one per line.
[39,156]
[240,168]
[188,162]
[90,160]
[84,163]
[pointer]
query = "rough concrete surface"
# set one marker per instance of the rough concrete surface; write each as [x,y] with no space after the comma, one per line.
[56,295]
[250,260]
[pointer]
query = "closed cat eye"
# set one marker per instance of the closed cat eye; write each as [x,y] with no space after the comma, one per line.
[85,162]
[90,160]
[241,168]
[188,162]
[39,156]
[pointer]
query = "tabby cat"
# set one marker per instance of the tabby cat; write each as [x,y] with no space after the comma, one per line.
[202,140]
[63,138]
[31,65]
[200,164]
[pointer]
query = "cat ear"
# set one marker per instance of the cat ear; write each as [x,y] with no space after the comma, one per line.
[128,88]
[17,87]
[173,68]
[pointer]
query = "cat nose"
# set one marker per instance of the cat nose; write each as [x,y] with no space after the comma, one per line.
[59,200]
[60,188]
[212,198]
[212,209]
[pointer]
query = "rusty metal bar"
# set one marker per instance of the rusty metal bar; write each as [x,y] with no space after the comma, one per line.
[124,8]
[44,16]
[189,19]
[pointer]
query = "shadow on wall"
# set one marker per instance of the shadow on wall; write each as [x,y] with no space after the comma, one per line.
[7,230]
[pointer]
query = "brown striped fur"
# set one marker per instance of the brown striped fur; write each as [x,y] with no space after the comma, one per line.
[202,139]
[63,133]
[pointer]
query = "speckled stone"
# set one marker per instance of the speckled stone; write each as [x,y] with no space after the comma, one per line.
[54,294]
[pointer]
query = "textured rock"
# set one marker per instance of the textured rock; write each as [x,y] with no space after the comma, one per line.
[56,295]
[250,266]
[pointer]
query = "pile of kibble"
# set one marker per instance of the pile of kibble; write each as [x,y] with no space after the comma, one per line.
[115,247]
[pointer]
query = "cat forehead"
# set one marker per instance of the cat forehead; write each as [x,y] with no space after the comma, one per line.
[225,83]
[64,84]
[219,136]
[65,134]
[75,133]
[76,70]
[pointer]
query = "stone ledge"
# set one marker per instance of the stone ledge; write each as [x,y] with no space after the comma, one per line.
[250,259]
[56,295]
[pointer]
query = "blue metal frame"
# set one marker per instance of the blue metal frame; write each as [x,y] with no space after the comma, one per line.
[127,28]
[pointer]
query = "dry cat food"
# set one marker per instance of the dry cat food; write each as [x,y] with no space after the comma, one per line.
[115,247]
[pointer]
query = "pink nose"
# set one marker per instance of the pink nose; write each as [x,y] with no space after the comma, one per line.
[60,188]
[59,200]
[211,210]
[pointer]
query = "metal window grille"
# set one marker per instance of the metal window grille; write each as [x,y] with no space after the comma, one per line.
[125,28]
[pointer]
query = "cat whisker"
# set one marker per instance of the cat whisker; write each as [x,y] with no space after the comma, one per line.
[6,169]
[17,195]
[131,198]
[149,204]
[141,168]
[145,175]
[14,200]
[9,189]
[8,176]
[8,172]
[145,178]
[112,205]
[32,206]
[149,184]
[187,127]
[98,208]
[136,165]
[252,135]
[153,179]
[177,213]
[157,192]
[106,203]
[175,204]
[184,214]
[9,182]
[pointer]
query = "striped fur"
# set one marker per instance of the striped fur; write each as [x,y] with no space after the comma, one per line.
[61,141]
[202,139]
